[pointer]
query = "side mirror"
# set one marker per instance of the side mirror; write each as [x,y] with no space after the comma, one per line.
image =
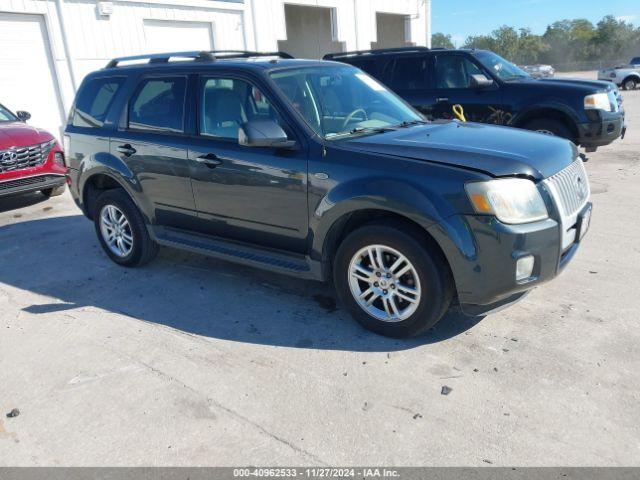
[264,133]
[22,115]
[480,81]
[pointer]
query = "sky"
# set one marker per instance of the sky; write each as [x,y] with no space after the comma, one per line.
[461,18]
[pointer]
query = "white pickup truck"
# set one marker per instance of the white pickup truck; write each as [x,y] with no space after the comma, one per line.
[625,76]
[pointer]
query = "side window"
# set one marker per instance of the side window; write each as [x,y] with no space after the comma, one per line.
[93,102]
[410,73]
[369,65]
[454,71]
[158,105]
[225,104]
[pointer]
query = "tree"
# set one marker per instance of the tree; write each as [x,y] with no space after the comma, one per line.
[440,40]
[573,43]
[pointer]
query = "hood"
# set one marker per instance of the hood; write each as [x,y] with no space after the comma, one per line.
[496,151]
[590,86]
[18,134]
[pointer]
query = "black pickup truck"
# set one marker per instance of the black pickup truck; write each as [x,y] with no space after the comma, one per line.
[493,90]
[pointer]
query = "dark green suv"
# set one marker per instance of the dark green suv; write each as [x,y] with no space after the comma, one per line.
[315,169]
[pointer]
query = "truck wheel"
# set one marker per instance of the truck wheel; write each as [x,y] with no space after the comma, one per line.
[390,282]
[122,231]
[630,84]
[550,126]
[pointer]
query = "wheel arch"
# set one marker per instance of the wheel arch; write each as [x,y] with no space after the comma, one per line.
[548,112]
[631,76]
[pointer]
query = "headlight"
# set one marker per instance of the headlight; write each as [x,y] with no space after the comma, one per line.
[511,200]
[47,147]
[597,101]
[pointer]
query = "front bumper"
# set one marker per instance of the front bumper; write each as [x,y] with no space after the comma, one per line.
[602,131]
[482,253]
[31,183]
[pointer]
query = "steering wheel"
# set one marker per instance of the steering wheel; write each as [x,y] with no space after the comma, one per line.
[353,114]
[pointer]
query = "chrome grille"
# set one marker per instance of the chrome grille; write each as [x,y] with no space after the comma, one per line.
[19,158]
[571,188]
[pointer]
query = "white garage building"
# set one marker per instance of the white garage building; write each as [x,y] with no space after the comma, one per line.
[48,46]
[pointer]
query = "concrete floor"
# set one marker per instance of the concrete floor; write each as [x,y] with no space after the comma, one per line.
[192,361]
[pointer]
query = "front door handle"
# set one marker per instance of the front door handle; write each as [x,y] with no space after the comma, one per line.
[442,100]
[127,150]
[211,160]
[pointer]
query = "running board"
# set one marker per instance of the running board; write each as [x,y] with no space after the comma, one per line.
[295,265]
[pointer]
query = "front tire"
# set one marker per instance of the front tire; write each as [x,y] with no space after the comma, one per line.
[122,231]
[53,192]
[630,84]
[390,282]
[550,126]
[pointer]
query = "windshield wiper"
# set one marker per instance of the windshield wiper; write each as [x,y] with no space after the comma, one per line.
[359,130]
[410,123]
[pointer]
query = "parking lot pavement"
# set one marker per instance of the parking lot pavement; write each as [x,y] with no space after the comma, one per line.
[193,361]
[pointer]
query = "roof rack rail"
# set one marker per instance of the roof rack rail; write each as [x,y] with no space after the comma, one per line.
[196,56]
[248,54]
[377,51]
[162,57]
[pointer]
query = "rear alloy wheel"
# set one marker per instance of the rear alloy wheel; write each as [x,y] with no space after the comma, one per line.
[630,84]
[122,231]
[391,281]
[116,231]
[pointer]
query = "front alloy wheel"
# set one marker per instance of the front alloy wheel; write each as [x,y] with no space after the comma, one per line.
[392,278]
[384,283]
[116,231]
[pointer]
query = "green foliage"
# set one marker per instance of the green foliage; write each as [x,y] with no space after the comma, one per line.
[440,40]
[564,42]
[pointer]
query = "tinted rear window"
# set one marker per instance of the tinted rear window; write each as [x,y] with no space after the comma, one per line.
[158,105]
[93,101]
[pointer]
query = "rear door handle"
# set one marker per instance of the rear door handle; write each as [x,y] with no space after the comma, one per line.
[126,149]
[211,160]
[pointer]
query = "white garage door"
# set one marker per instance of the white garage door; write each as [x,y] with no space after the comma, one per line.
[175,36]
[26,71]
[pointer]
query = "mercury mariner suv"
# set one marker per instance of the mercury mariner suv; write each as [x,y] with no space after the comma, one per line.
[30,158]
[316,170]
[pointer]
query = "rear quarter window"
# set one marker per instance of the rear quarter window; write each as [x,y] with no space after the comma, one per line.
[94,100]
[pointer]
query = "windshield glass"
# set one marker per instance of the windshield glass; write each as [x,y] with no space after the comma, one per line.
[500,67]
[337,101]
[6,115]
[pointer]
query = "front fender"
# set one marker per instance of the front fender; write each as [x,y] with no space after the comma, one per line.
[380,194]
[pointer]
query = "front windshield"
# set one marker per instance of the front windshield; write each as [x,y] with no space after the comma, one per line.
[337,101]
[500,67]
[6,115]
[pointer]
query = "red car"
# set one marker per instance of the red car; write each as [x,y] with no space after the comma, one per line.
[31,159]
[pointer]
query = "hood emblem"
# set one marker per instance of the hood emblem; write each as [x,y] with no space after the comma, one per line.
[9,157]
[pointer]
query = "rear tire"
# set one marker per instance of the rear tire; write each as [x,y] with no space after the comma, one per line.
[122,231]
[550,126]
[397,304]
